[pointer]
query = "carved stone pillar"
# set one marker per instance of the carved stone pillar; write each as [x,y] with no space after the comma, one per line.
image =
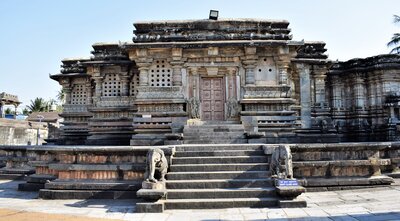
[144,76]
[359,91]
[176,73]
[89,92]
[67,91]
[250,75]
[319,87]
[337,88]
[231,83]
[283,74]
[250,62]
[124,85]
[305,95]
[98,86]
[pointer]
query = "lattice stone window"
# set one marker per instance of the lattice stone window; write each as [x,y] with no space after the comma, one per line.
[112,85]
[160,74]
[78,94]
[134,85]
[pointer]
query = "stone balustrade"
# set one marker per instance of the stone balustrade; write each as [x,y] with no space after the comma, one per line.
[75,169]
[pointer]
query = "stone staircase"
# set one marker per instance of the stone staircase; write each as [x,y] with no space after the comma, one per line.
[214,134]
[220,176]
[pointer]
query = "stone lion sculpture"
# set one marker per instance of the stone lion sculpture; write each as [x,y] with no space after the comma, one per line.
[281,162]
[156,166]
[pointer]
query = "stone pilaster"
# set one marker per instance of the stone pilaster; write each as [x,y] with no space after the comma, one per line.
[89,92]
[176,73]
[319,87]
[305,95]
[98,86]
[67,91]
[359,91]
[231,83]
[249,63]
[283,74]
[176,66]
[124,85]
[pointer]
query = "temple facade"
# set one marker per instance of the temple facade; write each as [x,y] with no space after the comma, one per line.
[244,75]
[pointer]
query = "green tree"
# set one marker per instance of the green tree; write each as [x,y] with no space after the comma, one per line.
[61,96]
[8,111]
[38,105]
[25,111]
[395,41]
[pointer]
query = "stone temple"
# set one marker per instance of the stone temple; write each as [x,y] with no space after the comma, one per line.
[201,114]
[246,75]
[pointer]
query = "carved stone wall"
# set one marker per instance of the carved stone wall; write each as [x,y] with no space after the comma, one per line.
[364,97]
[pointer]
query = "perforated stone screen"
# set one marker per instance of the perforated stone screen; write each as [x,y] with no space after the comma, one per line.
[78,94]
[111,85]
[134,85]
[160,74]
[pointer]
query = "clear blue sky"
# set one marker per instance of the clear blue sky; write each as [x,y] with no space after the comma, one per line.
[36,34]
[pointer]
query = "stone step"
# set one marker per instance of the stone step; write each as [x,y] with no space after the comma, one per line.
[220,203]
[213,136]
[86,194]
[219,160]
[219,153]
[214,126]
[212,133]
[218,175]
[218,147]
[16,171]
[220,167]
[221,193]
[93,185]
[223,183]
[215,141]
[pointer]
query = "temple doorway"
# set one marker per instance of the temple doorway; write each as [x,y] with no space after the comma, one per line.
[212,99]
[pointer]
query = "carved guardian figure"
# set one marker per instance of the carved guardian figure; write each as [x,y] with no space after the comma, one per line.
[156,166]
[194,104]
[281,162]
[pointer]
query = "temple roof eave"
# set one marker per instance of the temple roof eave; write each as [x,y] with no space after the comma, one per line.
[205,44]
[58,76]
[106,63]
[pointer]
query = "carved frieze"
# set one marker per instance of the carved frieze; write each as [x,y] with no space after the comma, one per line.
[283,91]
[71,108]
[114,101]
[161,108]
[173,92]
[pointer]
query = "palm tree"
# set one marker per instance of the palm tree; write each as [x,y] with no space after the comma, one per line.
[38,105]
[395,41]
[61,96]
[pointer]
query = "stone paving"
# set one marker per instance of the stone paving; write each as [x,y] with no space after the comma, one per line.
[370,204]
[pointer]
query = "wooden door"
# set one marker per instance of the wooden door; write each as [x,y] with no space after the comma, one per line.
[212,99]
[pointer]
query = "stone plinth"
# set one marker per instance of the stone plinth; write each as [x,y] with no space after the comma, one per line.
[84,171]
